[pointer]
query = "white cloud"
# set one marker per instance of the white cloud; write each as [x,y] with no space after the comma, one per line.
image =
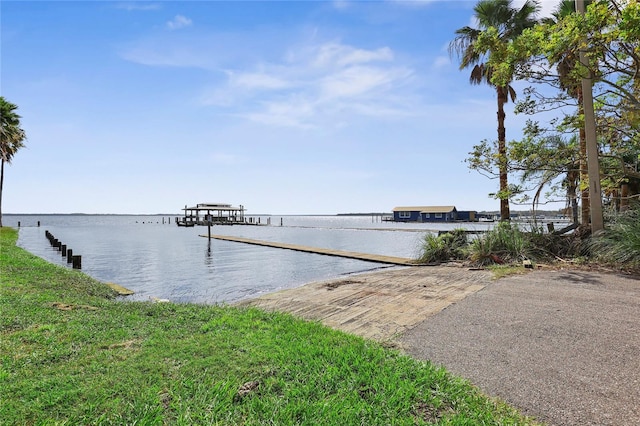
[332,54]
[441,62]
[341,4]
[258,80]
[294,111]
[167,53]
[547,7]
[314,85]
[355,81]
[265,80]
[138,6]
[179,22]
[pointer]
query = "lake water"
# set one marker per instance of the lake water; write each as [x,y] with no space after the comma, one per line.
[165,261]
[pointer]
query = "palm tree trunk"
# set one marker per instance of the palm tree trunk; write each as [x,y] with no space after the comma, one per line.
[624,197]
[573,183]
[584,167]
[502,154]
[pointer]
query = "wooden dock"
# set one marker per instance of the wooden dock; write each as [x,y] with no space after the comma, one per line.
[392,260]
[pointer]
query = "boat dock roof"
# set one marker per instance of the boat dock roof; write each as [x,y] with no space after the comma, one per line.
[214,206]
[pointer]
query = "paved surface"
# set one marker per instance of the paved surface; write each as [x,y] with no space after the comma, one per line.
[562,346]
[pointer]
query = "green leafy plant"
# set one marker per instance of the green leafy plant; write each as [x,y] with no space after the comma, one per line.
[619,244]
[444,247]
[503,244]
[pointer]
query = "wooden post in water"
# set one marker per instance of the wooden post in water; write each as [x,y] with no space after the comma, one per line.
[69,255]
[77,262]
[18,224]
[209,228]
[64,250]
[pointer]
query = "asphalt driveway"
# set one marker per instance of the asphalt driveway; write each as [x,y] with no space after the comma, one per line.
[562,346]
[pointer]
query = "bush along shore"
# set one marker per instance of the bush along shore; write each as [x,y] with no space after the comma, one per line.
[617,247]
[72,354]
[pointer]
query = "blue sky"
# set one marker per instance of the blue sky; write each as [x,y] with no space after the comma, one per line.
[293,107]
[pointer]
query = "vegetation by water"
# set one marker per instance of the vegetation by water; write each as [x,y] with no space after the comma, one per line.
[620,242]
[617,246]
[71,354]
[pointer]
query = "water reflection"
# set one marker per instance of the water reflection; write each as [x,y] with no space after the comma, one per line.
[161,260]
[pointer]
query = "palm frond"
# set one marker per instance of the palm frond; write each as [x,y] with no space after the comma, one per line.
[463,46]
[511,93]
[480,74]
[493,13]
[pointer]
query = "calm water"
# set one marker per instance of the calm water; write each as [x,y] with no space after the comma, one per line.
[170,262]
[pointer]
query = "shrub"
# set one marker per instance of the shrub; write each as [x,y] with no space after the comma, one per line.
[503,244]
[444,247]
[619,244]
[553,247]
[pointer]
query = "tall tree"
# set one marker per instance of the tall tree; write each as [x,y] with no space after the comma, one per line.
[12,138]
[505,23]
[566,64]
[608,36]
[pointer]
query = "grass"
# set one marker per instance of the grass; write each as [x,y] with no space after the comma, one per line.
[70,354]
[619,244]
[502,271]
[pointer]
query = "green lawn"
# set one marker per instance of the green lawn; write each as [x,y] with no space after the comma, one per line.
[70,354]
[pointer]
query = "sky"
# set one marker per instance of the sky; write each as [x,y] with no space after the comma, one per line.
[291,107]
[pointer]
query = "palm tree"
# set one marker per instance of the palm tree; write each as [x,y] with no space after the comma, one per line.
[12,138]
[566,63]
[509,22]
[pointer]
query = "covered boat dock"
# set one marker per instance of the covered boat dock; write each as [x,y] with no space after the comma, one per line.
[212,214]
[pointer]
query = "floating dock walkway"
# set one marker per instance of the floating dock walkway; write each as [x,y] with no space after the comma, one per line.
[328,252]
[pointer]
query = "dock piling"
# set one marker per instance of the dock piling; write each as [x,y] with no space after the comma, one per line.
[77,262]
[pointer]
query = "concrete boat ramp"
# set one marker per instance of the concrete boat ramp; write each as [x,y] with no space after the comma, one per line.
[391,260]
[381,305]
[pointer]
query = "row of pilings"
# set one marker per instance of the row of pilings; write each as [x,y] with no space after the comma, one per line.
[75,260]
